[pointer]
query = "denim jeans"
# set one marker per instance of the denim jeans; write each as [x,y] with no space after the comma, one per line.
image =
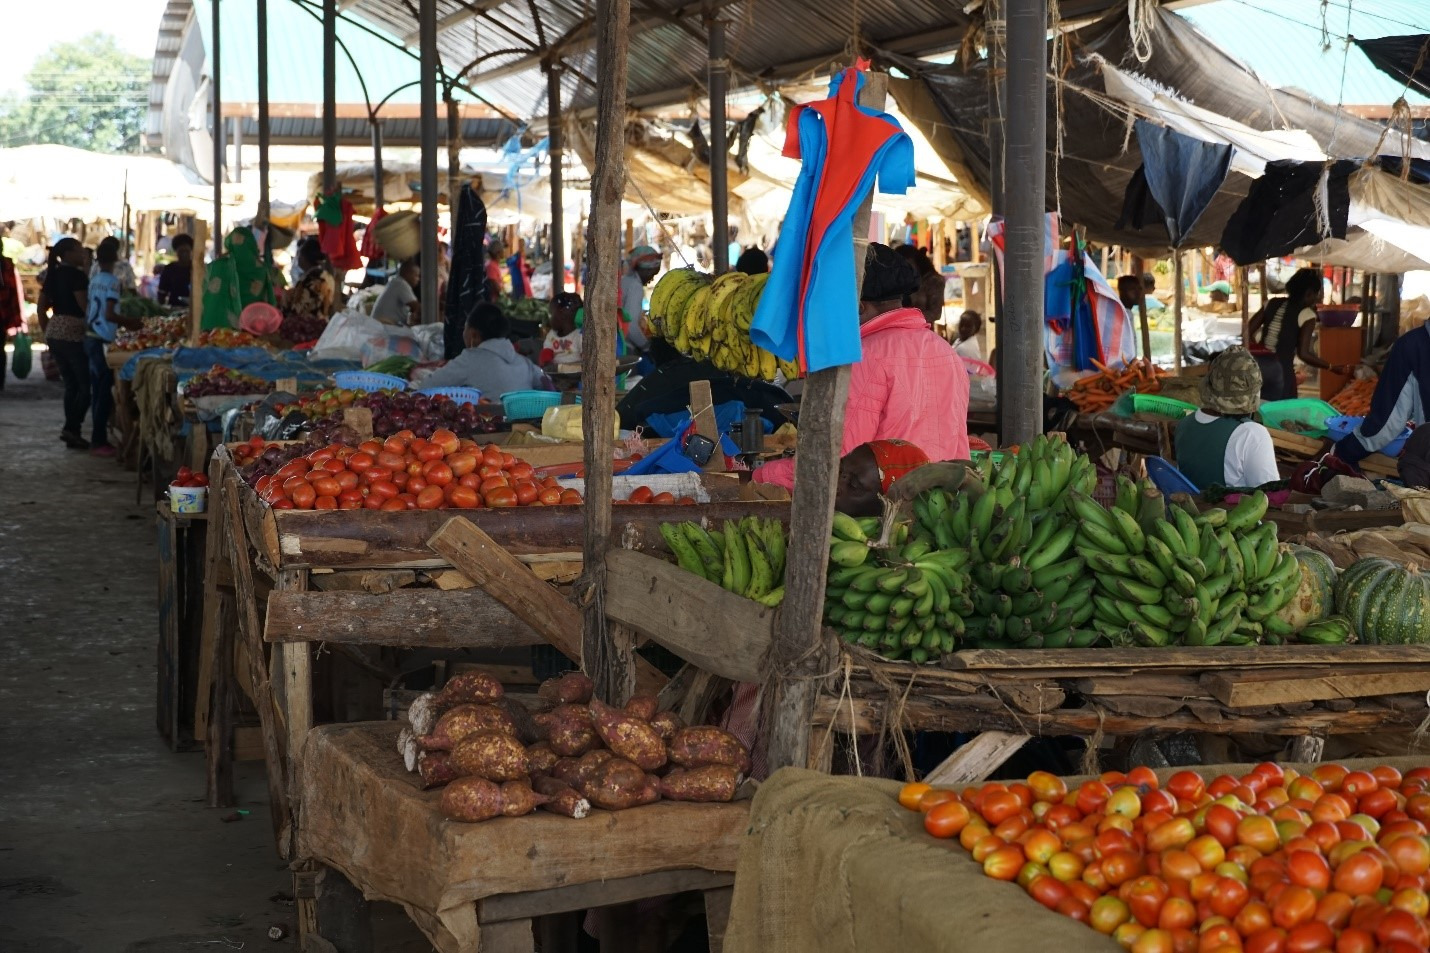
[101,383]
[74,371]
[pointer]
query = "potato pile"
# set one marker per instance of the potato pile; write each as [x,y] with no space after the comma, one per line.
[494,759]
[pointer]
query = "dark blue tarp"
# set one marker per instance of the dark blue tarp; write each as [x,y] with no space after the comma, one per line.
[465,281]
[1406,58]
[1183,175]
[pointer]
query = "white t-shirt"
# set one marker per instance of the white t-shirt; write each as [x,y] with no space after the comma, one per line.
[969,348]
[564,350]
[392,304]
[1250,454]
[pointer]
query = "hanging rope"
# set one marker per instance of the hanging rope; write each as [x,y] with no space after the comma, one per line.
[1060,65]
[1141,22]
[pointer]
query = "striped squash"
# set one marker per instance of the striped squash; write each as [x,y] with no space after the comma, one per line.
[1316,595]
[1387,603]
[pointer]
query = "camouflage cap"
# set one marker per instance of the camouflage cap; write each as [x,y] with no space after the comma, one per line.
[1233,385]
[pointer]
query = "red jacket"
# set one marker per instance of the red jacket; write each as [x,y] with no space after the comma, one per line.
[909,385]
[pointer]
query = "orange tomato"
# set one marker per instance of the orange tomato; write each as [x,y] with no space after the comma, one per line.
[947,819]
[910,793]
[641,494]
[663,499]
[570,497]
[430,498]
[526,492]
[1359,875]
[464,497]
[500,496]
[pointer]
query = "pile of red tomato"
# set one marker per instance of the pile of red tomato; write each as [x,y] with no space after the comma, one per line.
[406,472]
[187,477]
[644,494]
[1271,862]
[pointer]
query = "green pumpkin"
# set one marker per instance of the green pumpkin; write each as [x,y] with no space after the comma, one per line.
[1387,603]
[1315,596]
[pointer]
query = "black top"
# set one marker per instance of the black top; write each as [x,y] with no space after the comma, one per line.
[62,284]
[175,283]
[666,390]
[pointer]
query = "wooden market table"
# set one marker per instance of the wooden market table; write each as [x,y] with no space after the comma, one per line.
[835,865]
[477,887]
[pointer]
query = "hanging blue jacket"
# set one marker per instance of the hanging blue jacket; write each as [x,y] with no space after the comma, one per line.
[1401,397]
[809,309]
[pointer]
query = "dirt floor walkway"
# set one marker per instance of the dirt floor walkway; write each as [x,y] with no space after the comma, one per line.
[105,843]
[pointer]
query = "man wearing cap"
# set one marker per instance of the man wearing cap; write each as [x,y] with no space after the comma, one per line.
[642,266]
[1221,443]
[909,384]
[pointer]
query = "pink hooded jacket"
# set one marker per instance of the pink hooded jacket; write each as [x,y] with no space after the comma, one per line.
[909,385]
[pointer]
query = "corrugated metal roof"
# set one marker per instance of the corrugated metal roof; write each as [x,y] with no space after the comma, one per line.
[395,132]
[1282,41]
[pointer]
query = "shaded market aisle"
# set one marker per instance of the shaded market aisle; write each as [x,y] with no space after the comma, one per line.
[105,842]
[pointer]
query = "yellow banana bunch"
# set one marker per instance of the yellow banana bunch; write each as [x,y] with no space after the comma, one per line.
[711,319]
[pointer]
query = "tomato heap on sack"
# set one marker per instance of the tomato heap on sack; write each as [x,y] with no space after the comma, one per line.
[1271,862]
[407,472]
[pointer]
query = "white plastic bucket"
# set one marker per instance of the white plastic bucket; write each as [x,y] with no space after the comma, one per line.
[188,499]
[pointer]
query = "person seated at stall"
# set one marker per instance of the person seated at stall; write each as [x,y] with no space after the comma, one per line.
[1221,443]
[752,261]
[970,323]
[489,362]
[1401,398]
[1286,329]
[316,290]
[909,384]
[563,340]
[867,472]
[398,302]
[666,390]
[175,282]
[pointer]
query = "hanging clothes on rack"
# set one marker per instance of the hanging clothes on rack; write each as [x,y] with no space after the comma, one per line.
[809,308]
[335,231]
[466,282]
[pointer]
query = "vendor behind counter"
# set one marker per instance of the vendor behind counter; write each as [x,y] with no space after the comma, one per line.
[1401,398]
[1221,444]
[666,390]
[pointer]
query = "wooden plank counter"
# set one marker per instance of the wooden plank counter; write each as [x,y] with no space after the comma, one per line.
[463,884]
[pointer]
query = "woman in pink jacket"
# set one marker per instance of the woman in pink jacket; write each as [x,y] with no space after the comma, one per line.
[909,384]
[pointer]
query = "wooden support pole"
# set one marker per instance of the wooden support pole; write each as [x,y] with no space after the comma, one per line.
[1137,267]
[264,130]
[556,150]
[216,85]
[198,277]
[613,674]
[1179,295]
[719,74]
[799,630]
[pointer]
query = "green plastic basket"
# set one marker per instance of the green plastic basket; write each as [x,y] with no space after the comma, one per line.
[1301,415]
[1131,404]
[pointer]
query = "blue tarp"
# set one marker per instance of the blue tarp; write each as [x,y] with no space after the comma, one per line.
[254,361]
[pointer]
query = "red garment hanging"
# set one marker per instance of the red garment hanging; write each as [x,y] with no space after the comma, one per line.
[371,250]
[339,242]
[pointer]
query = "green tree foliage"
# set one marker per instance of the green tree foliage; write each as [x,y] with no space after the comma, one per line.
[88,93]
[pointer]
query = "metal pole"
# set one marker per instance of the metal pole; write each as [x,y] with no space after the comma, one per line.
[217,77]
[427,40]
[995,31]
[1020,406]
[377,198]
[1179,276]
[264,197]
[330,95]
[555,147]
[236,173]
[719,187]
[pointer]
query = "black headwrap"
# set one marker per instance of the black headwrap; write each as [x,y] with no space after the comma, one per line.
[887,275]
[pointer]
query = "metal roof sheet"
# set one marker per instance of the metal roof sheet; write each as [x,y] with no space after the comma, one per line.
[1282,41]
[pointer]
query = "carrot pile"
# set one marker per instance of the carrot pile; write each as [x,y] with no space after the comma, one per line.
[1099,391]
[1354,399]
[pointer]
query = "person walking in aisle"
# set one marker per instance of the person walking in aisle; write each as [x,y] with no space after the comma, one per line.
[64,300]
[101,323]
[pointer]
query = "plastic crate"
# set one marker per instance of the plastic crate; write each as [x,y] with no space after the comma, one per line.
[1168,408]
[528,404]
[1338,428]
[367,380]
[462,395]
[1299,410]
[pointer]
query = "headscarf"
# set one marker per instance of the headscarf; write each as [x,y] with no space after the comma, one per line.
[887,275]
[895,458]
[643,256]
[1233,384]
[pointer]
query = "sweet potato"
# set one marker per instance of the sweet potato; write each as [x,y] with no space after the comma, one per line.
[562,798]
[666,724]
[518,798]
[571,688]
[471,799]
[436,768]
[643,707]
[628,737]
[470,688]
[492,755]
[540,759]
[567,770]
[568,729]
[587,765]
[713,782]
[619,784]
[706,744]
[463,720]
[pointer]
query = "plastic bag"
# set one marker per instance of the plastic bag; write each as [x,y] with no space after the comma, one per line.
[24,357]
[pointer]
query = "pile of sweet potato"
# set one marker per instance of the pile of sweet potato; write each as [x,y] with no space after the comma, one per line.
[495,759]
